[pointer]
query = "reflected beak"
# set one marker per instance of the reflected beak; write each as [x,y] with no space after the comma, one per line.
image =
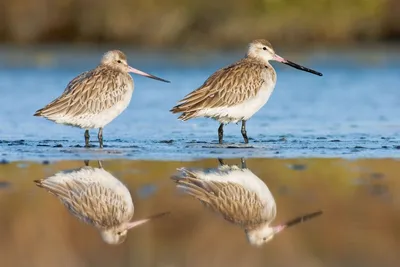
[296,66]
[279,228]
[297,220]
[140,222]
[133,70]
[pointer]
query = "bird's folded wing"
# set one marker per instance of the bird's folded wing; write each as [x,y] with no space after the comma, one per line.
[226,87]
[89,93]
[237,204]
[92,203]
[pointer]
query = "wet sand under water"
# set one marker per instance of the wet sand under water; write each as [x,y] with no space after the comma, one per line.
[359,227]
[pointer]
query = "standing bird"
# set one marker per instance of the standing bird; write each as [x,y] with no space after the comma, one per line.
[96,97]
[237,92]
[96,197]
[240,197]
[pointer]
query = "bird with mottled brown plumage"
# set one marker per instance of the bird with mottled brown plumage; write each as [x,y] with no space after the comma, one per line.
[237,92]
[239,196]
[96,97]
[97,198]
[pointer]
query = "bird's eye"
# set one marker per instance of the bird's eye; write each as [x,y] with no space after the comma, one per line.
[264,238]
[119,233]
[119,61]
[264,48]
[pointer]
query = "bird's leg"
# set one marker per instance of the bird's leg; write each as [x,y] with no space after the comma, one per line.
[86,161]
[221,133]
[243,161]
[100,164]
[244,133]
[87,136]
[100,136]
[221,161]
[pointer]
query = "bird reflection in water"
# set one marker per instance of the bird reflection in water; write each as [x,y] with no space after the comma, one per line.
[239,196]
[96,197]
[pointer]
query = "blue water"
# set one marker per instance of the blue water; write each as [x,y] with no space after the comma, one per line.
[352,111]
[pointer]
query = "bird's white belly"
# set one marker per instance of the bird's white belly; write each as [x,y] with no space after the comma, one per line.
[101,119]
[242,111]
[106,116]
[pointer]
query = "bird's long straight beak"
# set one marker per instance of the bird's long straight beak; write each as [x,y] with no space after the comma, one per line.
[279,228]
[297,220]
[140,222]
[296,66]
[133,70]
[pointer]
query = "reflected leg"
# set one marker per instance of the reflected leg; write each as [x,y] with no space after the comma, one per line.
[244,133]
[87,136]
[221,133]
[100,164]
[100,137]
[243,161]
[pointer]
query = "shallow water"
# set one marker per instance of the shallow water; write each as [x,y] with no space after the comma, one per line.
[359,226]
[352,111]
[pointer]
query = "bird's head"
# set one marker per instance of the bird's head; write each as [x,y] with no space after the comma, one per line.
[117,235]
[117,60]
[264,233]
[114,236]
[262,51]
[261,235]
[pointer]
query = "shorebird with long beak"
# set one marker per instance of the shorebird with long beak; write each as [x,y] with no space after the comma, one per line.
[240,197]
[97,198]
[237,92]
[96,97]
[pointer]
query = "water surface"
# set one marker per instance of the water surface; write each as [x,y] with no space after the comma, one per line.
[359,226]
[352,111]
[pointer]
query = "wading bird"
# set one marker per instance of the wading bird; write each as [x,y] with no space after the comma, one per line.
[237,92]
[239,196]
[96,97]
[97,198]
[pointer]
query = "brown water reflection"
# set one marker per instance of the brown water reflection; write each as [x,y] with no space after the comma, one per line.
[360,225]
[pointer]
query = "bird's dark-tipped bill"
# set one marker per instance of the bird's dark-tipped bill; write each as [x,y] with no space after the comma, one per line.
[295,221]
[296,66]
[303,218]
[133,70]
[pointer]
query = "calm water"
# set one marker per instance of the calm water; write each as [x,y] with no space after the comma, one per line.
[352,111]
[359,227]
